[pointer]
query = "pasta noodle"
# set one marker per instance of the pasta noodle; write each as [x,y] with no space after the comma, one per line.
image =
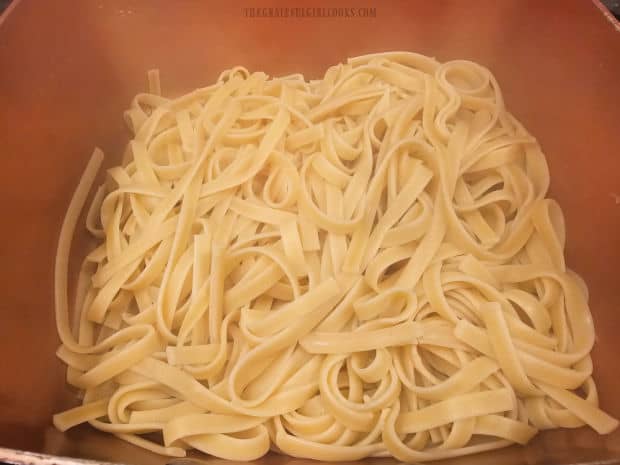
[364,265]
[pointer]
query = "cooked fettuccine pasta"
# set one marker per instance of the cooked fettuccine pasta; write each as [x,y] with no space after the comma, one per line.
[364,265]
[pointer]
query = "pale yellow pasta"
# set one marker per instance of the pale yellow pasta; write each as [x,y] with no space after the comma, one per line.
[360,266]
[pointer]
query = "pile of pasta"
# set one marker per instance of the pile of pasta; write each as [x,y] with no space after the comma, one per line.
[363,265]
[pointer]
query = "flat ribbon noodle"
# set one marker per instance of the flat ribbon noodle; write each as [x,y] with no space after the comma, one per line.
[364,265]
